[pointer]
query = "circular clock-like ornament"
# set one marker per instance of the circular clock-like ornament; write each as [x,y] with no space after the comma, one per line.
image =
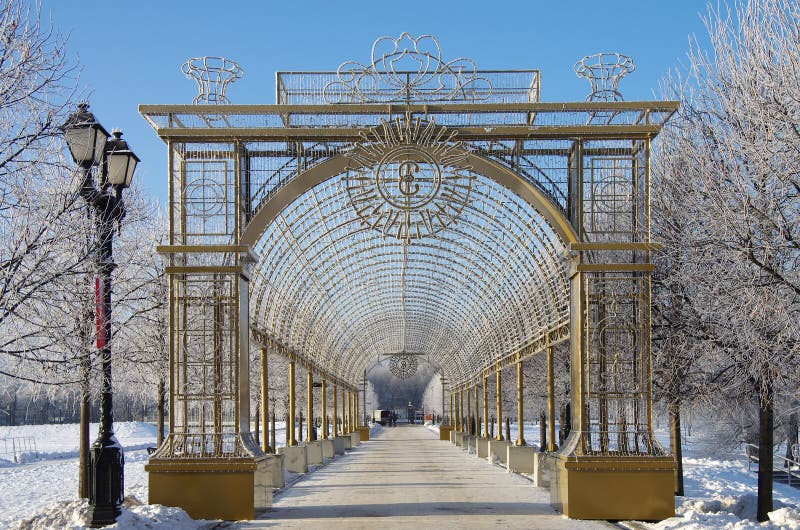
[409,179]
[403,366]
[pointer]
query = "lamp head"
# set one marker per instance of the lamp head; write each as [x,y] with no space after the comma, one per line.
[85,137]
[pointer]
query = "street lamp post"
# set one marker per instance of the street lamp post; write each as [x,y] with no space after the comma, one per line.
[91,148]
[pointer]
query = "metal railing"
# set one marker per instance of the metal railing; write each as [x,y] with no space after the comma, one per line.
[14,448]
[751,453]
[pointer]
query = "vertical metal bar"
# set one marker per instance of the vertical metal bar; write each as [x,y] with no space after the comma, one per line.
[477,413]
[469,411]
[335,418]
[498,396]
[485,405]
[324,410]
[520,412]
[551,400]
[290,439]
[461,410]
[264,402]
[310,406]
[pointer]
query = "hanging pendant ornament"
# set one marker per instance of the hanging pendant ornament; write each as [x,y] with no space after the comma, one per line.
[403,366]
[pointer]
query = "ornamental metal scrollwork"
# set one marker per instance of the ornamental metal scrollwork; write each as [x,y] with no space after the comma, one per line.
[403,366]
[407,69]
[408,178]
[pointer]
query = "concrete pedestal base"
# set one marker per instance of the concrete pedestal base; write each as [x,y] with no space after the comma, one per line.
[498,451]
[210,488]
[262,482]
[521,459]
[364,433]
[341,444]
[452,436]
[295,458]
[314,453]
[277,471]
[355,439]
[483,447]
[470,444]
[328,451]
[444,432]
[592,487]
[459,437]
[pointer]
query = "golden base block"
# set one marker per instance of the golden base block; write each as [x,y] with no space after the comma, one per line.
[363,433]
[205,488]
[590,487]
[444,432]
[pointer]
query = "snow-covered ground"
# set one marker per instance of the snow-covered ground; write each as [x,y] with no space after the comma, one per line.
[720,491]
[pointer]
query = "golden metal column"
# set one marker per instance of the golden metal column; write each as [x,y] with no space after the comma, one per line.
[520,415]
[461,410]
[498,397]
[324,411]
[358,412]
[290,440]
[335,409]
[469,411]
[264,401]
[452,417]
[477,416]
[551,401]
[485,406]
[456,421]
[310,406]
[345,411]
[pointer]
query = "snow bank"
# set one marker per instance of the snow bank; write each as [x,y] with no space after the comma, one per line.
[730,513]
[72,516]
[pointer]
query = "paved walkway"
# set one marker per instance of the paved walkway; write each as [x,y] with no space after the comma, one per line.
[406,478]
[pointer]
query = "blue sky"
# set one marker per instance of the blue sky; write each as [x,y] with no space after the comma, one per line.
[131,52]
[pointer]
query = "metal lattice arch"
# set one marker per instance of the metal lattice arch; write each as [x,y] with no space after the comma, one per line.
[378,211]
[345,293]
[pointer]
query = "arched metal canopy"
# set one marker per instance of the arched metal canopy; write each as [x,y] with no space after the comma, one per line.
[343,293]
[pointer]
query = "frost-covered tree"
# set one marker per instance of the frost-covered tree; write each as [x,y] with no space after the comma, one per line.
[737,191]
[38,206]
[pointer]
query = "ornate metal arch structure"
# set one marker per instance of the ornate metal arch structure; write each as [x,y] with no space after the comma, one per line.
[437,209]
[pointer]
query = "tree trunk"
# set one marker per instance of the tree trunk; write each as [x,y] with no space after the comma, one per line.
[162,391]
[272,446]
[257,430]
[12,410]
[83,449]
[300,429]
[675,443]
[765,426]
[791,433]
[508,428]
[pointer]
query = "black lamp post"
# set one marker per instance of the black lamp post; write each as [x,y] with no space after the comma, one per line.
[90,147]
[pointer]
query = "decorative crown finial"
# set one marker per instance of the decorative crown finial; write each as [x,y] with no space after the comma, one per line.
[604,71]
[213,75]
[406,69]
